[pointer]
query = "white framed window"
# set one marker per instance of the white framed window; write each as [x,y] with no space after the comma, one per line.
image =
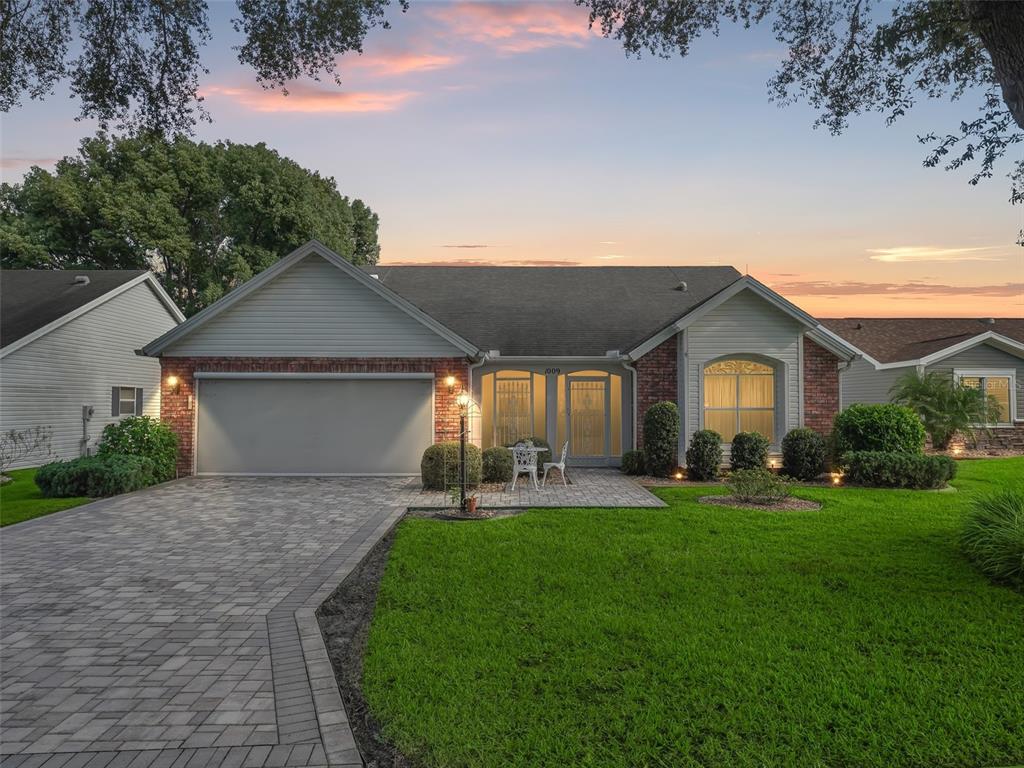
[739,396]
[999,384]
[126,401]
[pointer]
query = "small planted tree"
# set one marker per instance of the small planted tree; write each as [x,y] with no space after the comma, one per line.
[16,445]
[661,438]
[945,407]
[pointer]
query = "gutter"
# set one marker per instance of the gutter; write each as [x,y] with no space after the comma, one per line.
[628,365]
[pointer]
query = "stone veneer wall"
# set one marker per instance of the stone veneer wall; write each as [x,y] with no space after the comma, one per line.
[179,408]
[657,378]
[821,387]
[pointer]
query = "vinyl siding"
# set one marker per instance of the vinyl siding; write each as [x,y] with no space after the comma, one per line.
[861,383]
[986,356]
[46,382]
[746,324]
[313,310]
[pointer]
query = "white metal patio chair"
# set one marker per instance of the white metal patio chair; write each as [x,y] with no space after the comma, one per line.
[524,461]
[559,465]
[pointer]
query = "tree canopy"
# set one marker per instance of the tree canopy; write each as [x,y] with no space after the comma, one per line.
[206,217]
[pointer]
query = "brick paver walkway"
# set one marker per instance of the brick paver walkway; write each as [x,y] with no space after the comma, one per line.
[175,627]
[165,628]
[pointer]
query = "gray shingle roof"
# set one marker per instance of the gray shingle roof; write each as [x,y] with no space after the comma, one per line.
[557,311]
[895,339]
[32,298]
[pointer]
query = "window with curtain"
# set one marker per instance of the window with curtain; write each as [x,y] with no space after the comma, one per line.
[739,396]
[998,387]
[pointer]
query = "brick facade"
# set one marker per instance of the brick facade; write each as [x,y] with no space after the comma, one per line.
[178,409]
[656,380]
[821,387]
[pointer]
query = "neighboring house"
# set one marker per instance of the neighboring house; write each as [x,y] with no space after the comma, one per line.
[319,367]
[68,342]
[986,354]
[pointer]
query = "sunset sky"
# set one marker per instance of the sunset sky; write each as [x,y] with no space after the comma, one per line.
[510,134]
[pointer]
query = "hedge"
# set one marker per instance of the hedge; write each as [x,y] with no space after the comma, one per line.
[439,468]
[704,456]
[633,463]
[804,453]
[748,450]
[497,465]
[895,469]
[145,437]
[661,438]
[95,476]
[886,427]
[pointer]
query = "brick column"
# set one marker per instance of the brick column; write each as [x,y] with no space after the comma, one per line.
[821,387]
[178,408]
[656,381]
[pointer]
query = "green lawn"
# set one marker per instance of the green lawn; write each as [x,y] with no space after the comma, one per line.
[20,500]
[703,636]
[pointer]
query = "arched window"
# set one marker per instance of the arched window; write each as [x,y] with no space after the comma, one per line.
[739,396]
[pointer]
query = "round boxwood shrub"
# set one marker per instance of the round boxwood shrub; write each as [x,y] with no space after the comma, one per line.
[993,537]
[633,463]
[803,454]
[895,469]
[539,442]
[439,468]
[749,450]
[95,476]
[704,456]
[887,427]
[661,438]
[497,465]
[146,437]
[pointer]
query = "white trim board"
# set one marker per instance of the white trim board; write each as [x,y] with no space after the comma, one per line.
[146,277]
[305,375]
[313,247]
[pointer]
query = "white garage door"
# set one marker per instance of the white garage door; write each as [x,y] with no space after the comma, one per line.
[313,426]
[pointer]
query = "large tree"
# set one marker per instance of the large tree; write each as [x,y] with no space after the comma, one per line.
[207,217]
[137,62]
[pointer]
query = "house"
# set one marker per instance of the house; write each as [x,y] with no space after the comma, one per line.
[67,352]
[987,354]
[316,366]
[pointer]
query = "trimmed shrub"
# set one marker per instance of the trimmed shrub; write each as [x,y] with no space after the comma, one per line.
[749,450]
[538,442]
[757,486]
[661,438]
[497,465]
[804,453]
[633,463]
[439,468]
[890,428]
[145,437]
[95,476]
[704,456]
[993,537]
[893,469]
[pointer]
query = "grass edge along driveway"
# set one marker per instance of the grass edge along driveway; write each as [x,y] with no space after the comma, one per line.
[703,636]
[21,500]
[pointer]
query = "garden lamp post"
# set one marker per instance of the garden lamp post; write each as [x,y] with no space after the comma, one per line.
[463,401]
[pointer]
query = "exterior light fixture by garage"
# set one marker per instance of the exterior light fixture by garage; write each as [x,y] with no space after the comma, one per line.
[449,381]
[173,384]
[463,401]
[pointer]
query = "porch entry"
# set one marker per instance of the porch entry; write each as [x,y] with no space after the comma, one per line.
[584,407]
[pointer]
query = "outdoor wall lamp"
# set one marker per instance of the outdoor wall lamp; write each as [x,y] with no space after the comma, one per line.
[173,384]
[450,383]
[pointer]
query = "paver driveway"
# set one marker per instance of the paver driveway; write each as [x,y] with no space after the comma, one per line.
[158,629]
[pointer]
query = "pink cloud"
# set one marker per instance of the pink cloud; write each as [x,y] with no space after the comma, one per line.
[311,100]
[517,27]
[401,63]
[482,263]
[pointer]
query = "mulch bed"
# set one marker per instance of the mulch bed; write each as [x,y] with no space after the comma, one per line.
[789,505]
[345,623]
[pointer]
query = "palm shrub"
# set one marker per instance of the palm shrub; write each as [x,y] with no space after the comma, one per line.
[888,427]
[944,407]
[748,450]
[661,438]
[993,537]
[803,454]
[439,468]
[146,437]
[704,456]
[633,463]
[497,465]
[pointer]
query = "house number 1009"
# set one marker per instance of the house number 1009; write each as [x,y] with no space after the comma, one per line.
[552,371]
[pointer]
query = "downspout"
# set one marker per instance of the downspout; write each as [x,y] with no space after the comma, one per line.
[844,366]
[472,366]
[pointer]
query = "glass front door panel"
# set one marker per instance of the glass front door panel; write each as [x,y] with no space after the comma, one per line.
[513,417]
[587,412]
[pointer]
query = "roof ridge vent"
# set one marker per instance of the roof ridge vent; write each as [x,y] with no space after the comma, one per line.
[682,287]
[82,280]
